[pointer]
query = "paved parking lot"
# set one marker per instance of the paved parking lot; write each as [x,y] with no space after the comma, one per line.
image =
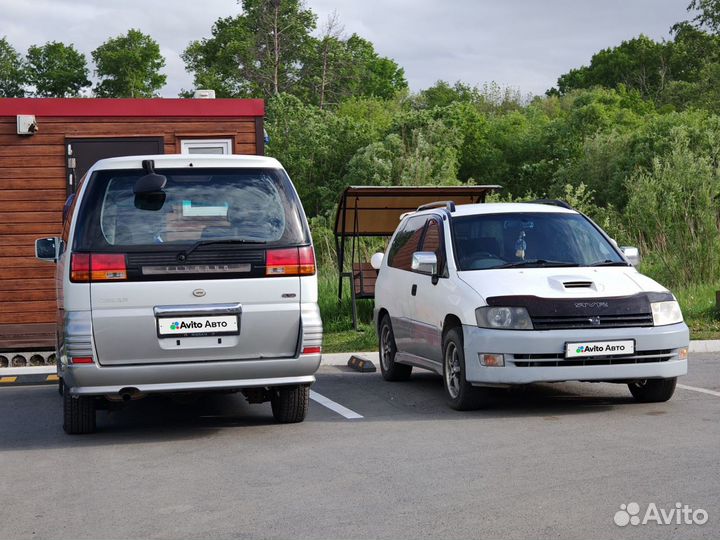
[553,461]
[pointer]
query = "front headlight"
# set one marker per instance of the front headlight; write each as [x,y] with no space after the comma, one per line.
[667,312]
[503,318]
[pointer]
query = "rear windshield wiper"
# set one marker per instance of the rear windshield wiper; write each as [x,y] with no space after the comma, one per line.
[609,263]
[536,262]
[196,245]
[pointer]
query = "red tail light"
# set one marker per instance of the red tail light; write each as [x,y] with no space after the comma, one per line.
[107,267]
[290,262]
[312,350]
[86,267]
[80,267]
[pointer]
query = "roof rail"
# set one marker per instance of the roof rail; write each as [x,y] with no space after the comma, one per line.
[553,202]
[448,205]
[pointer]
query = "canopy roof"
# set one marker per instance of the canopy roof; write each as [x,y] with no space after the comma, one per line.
[376,210]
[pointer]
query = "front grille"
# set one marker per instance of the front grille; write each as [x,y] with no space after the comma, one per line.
[559,360]
[600,321]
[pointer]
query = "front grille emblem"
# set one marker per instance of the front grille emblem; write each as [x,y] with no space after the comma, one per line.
[595,321]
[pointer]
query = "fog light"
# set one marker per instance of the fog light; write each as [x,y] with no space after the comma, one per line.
[491,360]
[683,353]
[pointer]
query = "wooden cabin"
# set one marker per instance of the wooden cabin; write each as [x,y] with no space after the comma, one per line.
[47,145]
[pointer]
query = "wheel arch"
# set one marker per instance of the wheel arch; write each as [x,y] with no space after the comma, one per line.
[451,321]
[381,313]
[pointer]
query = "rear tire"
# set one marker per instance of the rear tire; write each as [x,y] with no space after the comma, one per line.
[653,390]
[461,395]
[391,370]
[78,413]
[290,403]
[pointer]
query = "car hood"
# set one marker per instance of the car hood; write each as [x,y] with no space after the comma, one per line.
[583,282]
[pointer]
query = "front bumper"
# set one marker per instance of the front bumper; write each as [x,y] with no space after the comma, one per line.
[538,355]
[93,379]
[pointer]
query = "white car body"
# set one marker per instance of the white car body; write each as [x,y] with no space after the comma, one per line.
[421,320]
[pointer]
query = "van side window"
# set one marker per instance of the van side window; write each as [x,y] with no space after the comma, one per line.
[407,242]
[433,242]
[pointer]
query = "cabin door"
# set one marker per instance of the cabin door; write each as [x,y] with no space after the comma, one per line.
[83,153]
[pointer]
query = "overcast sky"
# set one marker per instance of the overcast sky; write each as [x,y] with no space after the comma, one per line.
[524,44]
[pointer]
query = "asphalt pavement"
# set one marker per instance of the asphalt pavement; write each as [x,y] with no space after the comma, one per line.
[372,460]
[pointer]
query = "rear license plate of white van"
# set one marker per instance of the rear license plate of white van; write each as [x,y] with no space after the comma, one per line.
[599,348]
[198,325]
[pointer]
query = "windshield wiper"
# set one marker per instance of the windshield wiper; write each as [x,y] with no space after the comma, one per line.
[608,262]
[536,262]
[196,245]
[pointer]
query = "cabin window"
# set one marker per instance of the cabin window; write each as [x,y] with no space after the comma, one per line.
[206,146]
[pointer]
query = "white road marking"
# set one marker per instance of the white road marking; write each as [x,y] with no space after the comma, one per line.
[336,407]
[696,389]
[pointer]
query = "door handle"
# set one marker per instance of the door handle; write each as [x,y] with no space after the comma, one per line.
[413,290]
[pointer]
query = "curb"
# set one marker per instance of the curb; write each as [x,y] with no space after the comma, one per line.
[30,378]
[705,345]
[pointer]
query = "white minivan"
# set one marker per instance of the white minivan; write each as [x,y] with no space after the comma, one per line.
[515,293]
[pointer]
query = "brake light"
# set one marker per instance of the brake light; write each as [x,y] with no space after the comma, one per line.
[312,350]
[85,267]
[290,262]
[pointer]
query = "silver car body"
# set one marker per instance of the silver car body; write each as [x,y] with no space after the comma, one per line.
[115,323]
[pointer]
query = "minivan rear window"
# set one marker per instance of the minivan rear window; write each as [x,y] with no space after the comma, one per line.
[251,204]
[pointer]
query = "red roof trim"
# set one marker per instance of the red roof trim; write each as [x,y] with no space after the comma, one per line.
[131,107]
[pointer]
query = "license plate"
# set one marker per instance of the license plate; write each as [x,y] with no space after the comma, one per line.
[212,325]
[599,348]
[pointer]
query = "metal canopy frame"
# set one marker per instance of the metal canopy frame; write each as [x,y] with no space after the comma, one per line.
[376,211]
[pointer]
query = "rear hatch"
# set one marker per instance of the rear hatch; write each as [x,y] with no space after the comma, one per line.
[205,270]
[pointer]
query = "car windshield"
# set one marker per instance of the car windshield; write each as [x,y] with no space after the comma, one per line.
[488,241]
[196,205]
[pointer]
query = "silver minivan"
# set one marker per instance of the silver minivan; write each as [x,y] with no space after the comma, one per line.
[179,273]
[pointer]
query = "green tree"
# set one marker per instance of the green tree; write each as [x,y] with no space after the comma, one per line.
[129,66]
[708,15]
[375,76]
[427,155]
[257,53]
[673,212]
[640,63]
[12,73]
[56,70]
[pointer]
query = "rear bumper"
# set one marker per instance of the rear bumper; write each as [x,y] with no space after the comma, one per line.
[196,376]
[537,348]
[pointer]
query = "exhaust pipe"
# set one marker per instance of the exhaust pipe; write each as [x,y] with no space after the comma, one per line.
[125,394]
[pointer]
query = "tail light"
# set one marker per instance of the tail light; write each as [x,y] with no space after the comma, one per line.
[290,262]
[85,267]
[312,350]
[80,267]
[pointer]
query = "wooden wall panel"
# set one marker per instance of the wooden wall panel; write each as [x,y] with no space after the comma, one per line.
[32,195]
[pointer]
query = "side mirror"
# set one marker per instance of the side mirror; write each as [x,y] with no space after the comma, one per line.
[376,260]
[632,254]
[47,249]
[424,262]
